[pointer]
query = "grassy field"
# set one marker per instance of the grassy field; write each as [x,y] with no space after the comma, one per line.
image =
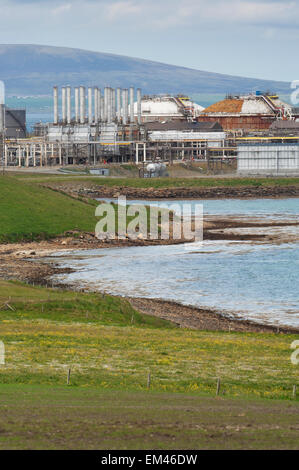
[110,345]
[110,349]
[39,417]
[195,182]
[29,211]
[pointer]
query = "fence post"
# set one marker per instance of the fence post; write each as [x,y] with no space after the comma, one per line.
[68,376]
[218,387]
[149,380]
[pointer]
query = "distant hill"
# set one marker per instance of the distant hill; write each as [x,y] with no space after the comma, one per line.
[33,70]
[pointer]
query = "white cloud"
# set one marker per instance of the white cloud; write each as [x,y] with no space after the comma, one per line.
[119,9]
[231,11]
[169,13]
[61,9]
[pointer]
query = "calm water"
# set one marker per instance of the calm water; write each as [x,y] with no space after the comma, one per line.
[270,208]
[255,281]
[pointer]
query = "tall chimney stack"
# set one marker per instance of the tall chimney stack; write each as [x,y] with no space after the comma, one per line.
[69,105]
[2,117]
[118,104]
[132,105]
[100,105]
[77,112]
[82,105]
[109,110]
[96,105]
[139,105]
[55,98]
[113,104]
[106,99]
[63,99]
[90,117]
[125,100]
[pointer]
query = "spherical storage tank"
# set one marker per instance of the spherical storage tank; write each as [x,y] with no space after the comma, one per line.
[157,168]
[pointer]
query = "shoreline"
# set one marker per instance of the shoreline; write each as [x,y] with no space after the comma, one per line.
[25,262]
[92,191]
[187,316]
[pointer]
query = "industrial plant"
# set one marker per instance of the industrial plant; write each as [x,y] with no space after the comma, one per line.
[255,112]
[94,127]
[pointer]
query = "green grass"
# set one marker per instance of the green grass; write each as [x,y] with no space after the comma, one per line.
[111,346]
[199,182]
[65,306]
[196,182]
[39,417]
[29,211]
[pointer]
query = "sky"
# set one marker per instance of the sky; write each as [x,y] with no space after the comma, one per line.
[239,37]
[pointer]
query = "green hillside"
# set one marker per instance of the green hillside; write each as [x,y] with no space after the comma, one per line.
[29,211]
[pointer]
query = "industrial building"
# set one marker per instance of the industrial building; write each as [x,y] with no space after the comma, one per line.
[167,108]
[255,112]
[12,122]
[92,128]
[284,128]
[268,159]
[182,140]
[117,125]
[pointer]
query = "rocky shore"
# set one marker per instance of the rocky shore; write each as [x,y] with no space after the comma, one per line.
[97,191]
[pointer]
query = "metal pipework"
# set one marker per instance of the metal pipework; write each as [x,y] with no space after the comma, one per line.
[82,104]
[118,105]
[139,105]
[77,113]
[132,93]
[90,117]
[63,99]
[69,105]
[55,98]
